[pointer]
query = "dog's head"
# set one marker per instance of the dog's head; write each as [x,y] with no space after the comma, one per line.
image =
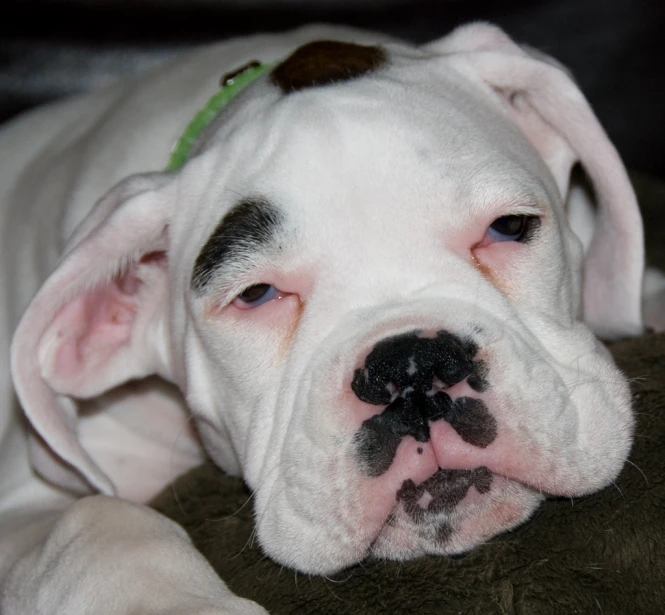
[372,285]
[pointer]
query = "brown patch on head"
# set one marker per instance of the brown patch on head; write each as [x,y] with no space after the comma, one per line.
[324,62]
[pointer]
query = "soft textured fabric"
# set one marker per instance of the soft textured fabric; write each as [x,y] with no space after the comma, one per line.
[601,554]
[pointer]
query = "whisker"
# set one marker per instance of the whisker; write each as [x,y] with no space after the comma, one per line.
[186,424]
[646,480]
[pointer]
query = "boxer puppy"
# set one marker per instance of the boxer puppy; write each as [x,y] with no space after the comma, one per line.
[367,280]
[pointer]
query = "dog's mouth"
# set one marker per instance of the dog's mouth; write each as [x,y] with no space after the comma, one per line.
[452,512]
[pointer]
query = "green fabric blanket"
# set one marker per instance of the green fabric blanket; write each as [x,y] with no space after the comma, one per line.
[601,554]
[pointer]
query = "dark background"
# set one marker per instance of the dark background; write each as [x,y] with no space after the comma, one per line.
[615,48]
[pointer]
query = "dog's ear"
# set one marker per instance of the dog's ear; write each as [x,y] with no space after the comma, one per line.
[98,321]
[539,95]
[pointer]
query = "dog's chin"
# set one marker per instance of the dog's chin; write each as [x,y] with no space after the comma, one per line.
[417,529]
[452,512]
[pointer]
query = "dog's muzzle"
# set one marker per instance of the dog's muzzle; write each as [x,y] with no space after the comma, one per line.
[411,375]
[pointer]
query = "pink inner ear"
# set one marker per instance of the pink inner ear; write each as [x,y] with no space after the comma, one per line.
[88,330]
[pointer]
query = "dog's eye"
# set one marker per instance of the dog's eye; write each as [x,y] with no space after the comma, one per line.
[513,228]
[256,295]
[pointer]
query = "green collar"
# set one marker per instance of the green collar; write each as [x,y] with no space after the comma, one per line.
[232,84]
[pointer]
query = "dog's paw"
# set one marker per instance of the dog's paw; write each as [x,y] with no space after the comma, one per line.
[104,555]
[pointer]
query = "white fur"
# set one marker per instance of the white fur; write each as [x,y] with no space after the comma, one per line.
[385,182]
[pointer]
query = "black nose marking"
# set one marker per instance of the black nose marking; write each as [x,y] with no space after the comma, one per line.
[469,417]
[444,533]
[399,373]
[380,435]
[446,489]
[478,378]
[408,361]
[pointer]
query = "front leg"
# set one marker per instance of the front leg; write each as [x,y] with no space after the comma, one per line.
[104,555]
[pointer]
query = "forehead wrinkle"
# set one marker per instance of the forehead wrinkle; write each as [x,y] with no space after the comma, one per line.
[246,230]
[500,184]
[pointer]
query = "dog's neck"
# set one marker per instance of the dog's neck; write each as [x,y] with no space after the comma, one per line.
[231,84]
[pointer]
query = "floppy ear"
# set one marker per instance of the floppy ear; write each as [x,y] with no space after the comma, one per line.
[95,323]
[551,111]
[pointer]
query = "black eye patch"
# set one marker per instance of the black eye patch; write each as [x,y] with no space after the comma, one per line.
[248,227]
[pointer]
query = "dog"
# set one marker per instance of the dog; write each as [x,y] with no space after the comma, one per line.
[365,282]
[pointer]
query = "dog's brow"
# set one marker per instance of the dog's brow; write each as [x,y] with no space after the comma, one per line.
[249,226]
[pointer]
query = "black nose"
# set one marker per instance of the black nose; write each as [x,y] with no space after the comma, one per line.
[410,374]
[407,364]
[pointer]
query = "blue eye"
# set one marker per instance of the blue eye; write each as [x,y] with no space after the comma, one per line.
[257,295]
[513,228]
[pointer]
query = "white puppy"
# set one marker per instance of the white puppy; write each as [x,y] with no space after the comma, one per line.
[366,279]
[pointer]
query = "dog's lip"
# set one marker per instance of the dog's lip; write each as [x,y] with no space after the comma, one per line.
[470,499]
[431,517]
[444,491]
[490,477]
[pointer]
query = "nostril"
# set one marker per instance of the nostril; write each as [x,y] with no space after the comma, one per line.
[451,372]
[454,361]
[372,390]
